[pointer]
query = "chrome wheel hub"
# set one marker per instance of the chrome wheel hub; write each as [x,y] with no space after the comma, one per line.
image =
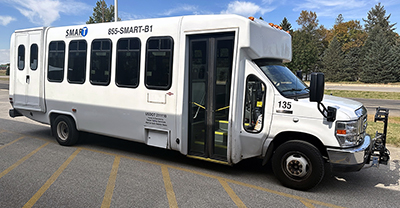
[296,165]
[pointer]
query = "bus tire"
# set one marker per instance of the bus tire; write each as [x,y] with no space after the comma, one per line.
[298,165]
[64,129]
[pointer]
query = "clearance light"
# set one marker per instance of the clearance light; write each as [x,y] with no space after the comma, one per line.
[251,18]
[288,32]
[271,24]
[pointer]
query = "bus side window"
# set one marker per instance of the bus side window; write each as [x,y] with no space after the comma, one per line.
[77,61]
[34,57]
[128,62]
[21,57]
[56,61]
[100,62]
[159,63]
[254,105]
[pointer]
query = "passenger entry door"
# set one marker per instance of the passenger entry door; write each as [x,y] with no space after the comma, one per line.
[210,70]
[28,81]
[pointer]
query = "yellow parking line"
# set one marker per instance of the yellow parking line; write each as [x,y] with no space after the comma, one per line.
[111,184]
[164,168]
[231,193]
[51,180]
[168,187]
[307,203]
[21,160]
[220,178]
[11,142]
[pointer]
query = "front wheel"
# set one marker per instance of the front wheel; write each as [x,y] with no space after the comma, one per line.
[298,165]
[64,129]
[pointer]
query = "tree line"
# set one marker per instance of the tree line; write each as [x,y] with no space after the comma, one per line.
[348,51]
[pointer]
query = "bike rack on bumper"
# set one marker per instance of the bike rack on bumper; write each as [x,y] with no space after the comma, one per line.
[379,154]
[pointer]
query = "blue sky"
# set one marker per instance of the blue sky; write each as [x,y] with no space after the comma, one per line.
[21,14]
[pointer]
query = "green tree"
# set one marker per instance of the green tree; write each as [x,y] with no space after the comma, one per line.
[353,64]
[333,64]
[102,13]
[286,26]
[377,17]
[395,61]
[377,66]
[307,44]
[8,69]
[305,52]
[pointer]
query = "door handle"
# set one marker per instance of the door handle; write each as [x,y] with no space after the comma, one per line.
[27,79]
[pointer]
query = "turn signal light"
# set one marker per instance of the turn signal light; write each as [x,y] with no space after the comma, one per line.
[340,131]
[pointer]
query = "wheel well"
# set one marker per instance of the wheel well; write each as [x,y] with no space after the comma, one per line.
[288,136]
[53,117]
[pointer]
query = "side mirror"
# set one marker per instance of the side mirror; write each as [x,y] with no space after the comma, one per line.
[317,86]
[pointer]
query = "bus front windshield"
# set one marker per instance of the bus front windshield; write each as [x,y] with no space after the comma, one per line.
[288,84]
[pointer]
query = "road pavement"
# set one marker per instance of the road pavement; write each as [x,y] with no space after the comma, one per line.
[363,87]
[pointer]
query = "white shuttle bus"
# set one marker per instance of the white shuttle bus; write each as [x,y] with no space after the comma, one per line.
[212,87]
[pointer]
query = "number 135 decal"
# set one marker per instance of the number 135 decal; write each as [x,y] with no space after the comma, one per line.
[285,105]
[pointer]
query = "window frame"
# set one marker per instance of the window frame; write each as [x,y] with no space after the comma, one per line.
[117,69]
[171,58]
[109,59]
[63,60]
[69,59]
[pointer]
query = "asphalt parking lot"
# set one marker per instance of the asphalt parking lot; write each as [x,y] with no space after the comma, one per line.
[106,172]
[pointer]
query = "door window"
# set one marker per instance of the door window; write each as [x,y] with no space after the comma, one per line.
[34,56]
[254,105]
[21,57]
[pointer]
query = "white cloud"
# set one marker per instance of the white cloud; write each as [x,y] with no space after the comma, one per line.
[4,56]
[5,20]
[45,12]
[245,8]
[181,9]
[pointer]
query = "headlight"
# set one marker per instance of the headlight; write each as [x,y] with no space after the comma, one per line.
[350,133]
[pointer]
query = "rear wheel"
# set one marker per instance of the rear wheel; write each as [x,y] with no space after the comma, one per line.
[298,165]
[64,129]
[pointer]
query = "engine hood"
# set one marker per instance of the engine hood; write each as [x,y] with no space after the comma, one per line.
[345,107]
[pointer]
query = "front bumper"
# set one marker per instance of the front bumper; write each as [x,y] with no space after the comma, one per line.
[350,159]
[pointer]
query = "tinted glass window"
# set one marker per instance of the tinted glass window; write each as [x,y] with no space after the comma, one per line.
[34,56]
[128,61]
[100,66]
[56,61]
[77,61]
[21,57]
[159,63]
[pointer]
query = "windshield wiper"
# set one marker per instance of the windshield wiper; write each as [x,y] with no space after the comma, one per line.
[291,90]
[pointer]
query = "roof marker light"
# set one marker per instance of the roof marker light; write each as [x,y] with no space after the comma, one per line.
[251,18]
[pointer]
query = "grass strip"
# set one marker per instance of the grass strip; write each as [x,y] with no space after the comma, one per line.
[393,134]
[364,94]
